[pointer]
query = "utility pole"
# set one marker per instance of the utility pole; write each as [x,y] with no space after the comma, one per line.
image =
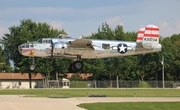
[162,71]
[2,66]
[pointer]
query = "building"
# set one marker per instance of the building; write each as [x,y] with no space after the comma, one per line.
[19,81]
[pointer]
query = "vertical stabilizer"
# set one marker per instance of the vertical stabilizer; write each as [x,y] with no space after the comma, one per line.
[140,36]
[151,37]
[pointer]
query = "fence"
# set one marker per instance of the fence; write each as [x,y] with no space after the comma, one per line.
[95,84]
[52,84]
[112,84]
[126,84]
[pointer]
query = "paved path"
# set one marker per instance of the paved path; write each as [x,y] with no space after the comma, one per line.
[14,102]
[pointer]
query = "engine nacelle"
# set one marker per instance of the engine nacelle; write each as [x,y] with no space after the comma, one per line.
[58,45]
[59,48]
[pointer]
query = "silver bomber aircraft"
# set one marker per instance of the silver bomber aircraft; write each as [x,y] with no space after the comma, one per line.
[79,48]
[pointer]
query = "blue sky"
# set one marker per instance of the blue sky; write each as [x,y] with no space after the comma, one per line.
[83,17]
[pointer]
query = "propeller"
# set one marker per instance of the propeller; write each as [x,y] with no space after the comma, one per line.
[52,50]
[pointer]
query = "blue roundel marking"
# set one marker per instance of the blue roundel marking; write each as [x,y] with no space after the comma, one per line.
[122,48]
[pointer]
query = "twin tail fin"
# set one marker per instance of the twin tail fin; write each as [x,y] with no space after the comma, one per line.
[148,37]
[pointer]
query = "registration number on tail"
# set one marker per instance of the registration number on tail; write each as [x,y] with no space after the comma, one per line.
[150,39]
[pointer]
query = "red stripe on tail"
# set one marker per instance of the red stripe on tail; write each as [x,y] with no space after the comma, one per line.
[152,29]
[140,32]
[151,35]
[139,38]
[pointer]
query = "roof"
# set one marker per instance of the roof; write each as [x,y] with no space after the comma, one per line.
[83,75]
[8,76]
[13,76]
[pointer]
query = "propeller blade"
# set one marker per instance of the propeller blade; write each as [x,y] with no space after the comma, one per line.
[52,50]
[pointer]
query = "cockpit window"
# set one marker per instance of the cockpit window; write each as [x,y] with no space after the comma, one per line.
[30,45]
[49,41]
[44,40]
[22,46]
[105,46]
[27,45]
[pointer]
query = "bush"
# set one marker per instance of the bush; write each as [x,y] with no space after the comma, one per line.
[143,84]
[78,84]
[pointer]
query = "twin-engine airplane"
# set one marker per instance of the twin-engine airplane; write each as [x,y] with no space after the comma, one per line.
[147,42]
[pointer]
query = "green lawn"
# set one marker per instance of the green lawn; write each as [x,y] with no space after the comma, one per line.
[87,92]
[132,106]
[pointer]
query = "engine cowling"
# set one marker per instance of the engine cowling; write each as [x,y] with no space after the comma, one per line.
[58,45]
[59,48]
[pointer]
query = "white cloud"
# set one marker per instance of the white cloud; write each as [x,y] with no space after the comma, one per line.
[3,30]
[115,20]
[169,27]
[164,23]
[57,25]
[178,25]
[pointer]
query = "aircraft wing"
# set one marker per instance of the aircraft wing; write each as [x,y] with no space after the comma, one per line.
[81,43]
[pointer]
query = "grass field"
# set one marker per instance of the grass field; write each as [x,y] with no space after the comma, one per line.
[87,92]
[132,106]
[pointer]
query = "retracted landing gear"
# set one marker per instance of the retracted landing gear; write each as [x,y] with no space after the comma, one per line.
[76,66]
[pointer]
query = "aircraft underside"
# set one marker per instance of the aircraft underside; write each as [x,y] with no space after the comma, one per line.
[78,54]
[92,54]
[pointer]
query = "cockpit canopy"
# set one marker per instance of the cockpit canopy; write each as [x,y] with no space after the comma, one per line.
[61,36]
[48,40]
[44,40]
[27,45]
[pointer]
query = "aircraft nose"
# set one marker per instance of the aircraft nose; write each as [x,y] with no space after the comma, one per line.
[20,49]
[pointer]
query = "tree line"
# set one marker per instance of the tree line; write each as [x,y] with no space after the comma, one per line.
[136,67]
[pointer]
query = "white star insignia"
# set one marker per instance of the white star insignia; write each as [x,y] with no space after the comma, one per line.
[122,48]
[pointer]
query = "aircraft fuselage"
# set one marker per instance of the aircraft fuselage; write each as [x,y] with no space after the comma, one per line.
[62,48]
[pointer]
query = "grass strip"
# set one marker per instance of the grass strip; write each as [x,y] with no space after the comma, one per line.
[88,92]
[132,106]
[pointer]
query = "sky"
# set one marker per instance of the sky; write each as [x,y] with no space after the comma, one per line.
[84,17]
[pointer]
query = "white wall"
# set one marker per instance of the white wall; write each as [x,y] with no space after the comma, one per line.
[16,84]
